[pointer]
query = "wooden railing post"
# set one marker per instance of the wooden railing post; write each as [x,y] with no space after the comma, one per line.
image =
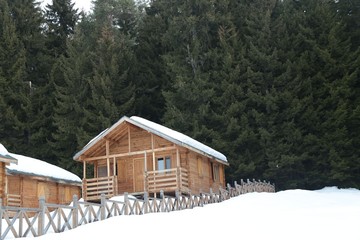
[84,191]
[41,219]
[75,211]
[178,179]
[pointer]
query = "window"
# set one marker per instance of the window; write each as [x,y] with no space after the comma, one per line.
[167,162]
[215,171]
[160,163]
[164,164]
[102,171]
[200,167]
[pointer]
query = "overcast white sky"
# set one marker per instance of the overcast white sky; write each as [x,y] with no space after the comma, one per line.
[81,4]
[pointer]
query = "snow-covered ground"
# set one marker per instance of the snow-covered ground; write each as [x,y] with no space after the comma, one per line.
[329,213]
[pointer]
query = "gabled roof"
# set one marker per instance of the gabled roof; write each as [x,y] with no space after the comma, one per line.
[34,167]
[161,131]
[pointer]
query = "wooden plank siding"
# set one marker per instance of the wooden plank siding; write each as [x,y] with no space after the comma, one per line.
[28,190]
[2,180]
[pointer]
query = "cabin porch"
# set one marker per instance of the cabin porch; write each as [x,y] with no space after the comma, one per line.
[168,180]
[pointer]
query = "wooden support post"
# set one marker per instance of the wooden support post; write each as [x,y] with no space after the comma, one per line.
[145,173]
[107,158]
[1,215]
[41,218]
[153,152]
[114,166]
[84,169]
[129,139]
[178,171]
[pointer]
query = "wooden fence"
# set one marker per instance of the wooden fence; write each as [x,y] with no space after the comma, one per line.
[48,218]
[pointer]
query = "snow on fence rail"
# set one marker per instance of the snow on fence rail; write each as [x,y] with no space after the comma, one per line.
[48,218]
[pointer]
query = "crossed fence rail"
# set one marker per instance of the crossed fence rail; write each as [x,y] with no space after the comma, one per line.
[25,222]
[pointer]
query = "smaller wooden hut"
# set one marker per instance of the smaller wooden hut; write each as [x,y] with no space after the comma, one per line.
[24,179]
[136,156]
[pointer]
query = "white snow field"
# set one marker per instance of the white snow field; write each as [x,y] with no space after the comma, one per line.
[329,213]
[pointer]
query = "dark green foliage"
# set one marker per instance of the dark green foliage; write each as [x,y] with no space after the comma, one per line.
[274,85]
[61,18]
[14,90]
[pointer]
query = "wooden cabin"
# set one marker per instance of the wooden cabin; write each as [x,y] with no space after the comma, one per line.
[24,179]
[136,156]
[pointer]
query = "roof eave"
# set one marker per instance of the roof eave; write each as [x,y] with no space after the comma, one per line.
[45,178]
[88,146]
[175,141]
[149,129]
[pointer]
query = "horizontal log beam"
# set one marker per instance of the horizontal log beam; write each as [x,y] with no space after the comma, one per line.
[88,159]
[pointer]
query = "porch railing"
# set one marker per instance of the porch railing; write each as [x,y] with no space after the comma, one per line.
[13,200]
[174,179]
[94,187]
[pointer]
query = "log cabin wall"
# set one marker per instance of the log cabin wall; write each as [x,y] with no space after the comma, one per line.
[2,180]
[130,169]
[30,189]
[201,173]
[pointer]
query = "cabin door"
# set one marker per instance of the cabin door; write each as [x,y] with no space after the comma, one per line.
[139,175]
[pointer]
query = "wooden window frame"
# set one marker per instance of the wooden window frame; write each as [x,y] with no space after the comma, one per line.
[166,163]
[215,172]
[200,167]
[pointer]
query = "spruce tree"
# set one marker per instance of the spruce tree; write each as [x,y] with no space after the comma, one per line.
[149,74]
[61,18]
[192,37]
[14,90]
[70,76]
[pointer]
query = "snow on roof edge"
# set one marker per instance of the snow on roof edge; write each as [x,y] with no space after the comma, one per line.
[36,167]
[185,140]
[4,154]
[98,137]
[171,134]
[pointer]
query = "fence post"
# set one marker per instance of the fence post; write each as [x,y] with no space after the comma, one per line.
[126,202]
[75,211]
[177,205]
[1,216]
[41,220]
[162,199]
[103,206]
[146,202]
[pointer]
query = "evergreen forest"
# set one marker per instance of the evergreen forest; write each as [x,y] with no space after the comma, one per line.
[272,84]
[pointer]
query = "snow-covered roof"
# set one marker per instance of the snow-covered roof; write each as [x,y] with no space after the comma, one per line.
[5,157]
[162,131]
[178,138]
[35,167]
